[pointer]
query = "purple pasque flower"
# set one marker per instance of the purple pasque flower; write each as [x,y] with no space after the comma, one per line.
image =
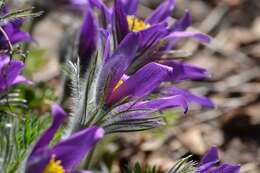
[131,69]
[133,91]
[10,73]
[13,31]
[155,29]
[146,79]
[209,161]
[66,154]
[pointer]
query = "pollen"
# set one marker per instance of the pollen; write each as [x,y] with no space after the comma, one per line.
[54,166]
[119,83]
[135,24]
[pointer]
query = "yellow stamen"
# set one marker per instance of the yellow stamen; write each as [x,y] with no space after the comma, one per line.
[135,24]
[54,166]
[119,83]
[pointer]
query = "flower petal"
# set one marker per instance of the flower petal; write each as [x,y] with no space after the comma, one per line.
[118,63]
[162,12]
[58,118]
[183,34]
[142,83]
[88,39]
[9,73]
[72,150]
[183,23]
[150,39]
[142,109]
[38,161]
[226,168]
[130,6]
[209,159]
[120,24]
[21,79]
[164,103]
[182,71]
[106,13]
[106,43]
[203,101]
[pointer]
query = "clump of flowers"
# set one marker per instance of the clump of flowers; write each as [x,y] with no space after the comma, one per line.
[121,79]
[124,80]
[10,35]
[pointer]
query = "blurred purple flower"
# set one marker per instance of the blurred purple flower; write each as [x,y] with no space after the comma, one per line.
[209,161]
[10,72]
[65,155]
[13,31]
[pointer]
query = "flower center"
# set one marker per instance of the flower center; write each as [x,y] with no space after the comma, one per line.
[54,166]
[135,24]
[119,83]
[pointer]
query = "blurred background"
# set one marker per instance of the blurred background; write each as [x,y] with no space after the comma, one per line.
[232,58]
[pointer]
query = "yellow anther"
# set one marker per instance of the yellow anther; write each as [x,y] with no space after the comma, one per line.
[135,24]
[54,166]
[119,83]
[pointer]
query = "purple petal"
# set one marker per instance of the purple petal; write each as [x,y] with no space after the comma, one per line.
[38,161]
[4,60]
[120,24]
[183,23]
[145,108]
[21,79]
[180,25]
[182,71]
[226,168]
[20,36]
[142,83]
[79,2]
[119,62]
[203,101]
[162,12]
[155,33]
[150,38]
[14,32]
[88,39]
[209,159]
[75,148]
[183,34]
[101,6]
[9,73]
[107,46]
[58,118]
[164,103]
[130,6]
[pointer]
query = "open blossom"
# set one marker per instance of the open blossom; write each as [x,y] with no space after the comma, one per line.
[210,160]
[13,31]
[10,72]
[65,155]
[134,80]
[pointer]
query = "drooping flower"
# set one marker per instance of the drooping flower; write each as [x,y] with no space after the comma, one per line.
[13,31]
[66,154]
[209,162]
[10,73]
